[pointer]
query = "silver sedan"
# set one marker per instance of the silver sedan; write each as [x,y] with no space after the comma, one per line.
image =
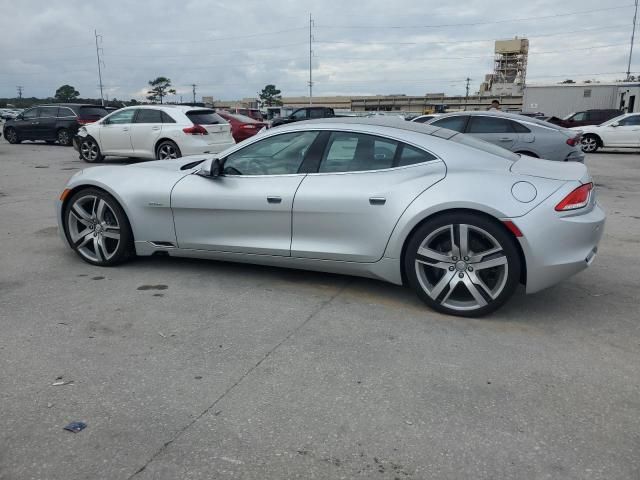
[460,221]
[518,133]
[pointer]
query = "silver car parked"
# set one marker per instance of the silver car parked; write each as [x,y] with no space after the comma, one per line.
[461,221]
[520,134]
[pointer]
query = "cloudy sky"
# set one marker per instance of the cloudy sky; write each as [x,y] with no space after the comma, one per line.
[232,48]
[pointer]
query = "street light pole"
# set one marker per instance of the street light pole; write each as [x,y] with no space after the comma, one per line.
[633,34]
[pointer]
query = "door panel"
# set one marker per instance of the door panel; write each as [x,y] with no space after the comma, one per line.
[492,129]
[245,214]
[350,216]
[115,133]
[25,126]
[145,132]
[46,123]
[626,134]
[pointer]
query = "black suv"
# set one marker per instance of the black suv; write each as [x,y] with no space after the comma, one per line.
[586,117]
[306,113]
[51,123]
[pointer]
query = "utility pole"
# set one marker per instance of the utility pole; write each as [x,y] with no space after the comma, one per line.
[633,34]
[95,32]
[193,85]
[20,87]
[310,63]
[466,98]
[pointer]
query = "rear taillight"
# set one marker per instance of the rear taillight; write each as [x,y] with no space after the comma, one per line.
[249,126]
[573,141]
[195,130]
[576,199]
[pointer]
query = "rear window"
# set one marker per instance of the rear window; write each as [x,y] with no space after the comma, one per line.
[456,123]
[205,117]
[96,112]
[487,147]
[242,118]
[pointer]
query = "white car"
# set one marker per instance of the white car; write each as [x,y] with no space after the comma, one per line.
[619,132]
[155,132]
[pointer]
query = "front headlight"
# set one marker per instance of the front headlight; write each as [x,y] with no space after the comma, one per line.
[82,131]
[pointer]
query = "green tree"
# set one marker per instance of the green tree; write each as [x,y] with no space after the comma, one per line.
[66,93]
[160,88]
[270,96]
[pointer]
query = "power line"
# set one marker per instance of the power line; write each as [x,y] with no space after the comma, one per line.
[471,24]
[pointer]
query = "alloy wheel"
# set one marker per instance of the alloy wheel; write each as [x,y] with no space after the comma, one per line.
[93,228]
[63,137]
[589,144]
[461,267]
[89,150]
[167,151]
[11,135]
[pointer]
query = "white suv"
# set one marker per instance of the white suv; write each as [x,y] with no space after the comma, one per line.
[154,131]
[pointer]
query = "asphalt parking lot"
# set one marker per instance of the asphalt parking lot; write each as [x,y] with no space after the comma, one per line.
[197,369]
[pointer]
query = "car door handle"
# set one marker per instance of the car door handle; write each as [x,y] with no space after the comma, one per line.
[377,200]
[505,139]
[272,199]
[125,129]
[35,123]
[155,128]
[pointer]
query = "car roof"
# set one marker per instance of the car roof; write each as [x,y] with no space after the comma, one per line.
[511,116]
[390,122]
[181,108]
[69,105]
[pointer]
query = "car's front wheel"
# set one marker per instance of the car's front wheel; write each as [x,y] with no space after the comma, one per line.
[590,143]
[89,150]
[462,264]
[97,228]
[168,150]
[12,136]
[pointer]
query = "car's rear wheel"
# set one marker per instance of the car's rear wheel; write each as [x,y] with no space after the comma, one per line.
[64,137]
[90,151]
[462,264]
[97,228]
[590,143]
[12,136]
[167,150]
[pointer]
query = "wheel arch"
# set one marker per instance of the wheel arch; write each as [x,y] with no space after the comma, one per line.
[596,136]
[163,139]
[495,220]
[86,186]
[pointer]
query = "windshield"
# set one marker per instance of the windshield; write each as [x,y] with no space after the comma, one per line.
[613,120]
[569,116]
[487,147]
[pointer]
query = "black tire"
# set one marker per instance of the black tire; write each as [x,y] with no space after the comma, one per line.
[90,150]
[64,137]
[458,285]
[167,150]
[50,142]
[590,143]
[92,238]
[12,136]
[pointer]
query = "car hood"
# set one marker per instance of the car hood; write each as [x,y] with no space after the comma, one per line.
[537,167]
[173,165]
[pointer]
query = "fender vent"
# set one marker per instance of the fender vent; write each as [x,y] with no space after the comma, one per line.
[163,244]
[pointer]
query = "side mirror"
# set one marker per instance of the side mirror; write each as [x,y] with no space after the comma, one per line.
[214,169]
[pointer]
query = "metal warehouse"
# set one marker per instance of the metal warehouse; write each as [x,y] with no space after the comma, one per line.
[561,100]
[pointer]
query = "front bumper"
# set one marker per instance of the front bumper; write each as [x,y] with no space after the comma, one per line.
[76,143]
[558,245]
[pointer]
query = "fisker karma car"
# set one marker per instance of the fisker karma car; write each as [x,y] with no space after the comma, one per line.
[459,220]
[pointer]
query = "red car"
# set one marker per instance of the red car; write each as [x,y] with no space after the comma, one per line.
[242,127]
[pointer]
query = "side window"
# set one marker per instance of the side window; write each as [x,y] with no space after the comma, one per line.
[30,114]
[64,112]
[632,120]
[166,118]
[48,112]
[300,114]
[316,113]
[482,124]
[356,152]
[519,128]
[121,117]
[147,115]
[411,156]
[278,155]
[456,123]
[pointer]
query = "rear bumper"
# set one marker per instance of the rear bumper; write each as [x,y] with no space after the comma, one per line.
[558,245]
